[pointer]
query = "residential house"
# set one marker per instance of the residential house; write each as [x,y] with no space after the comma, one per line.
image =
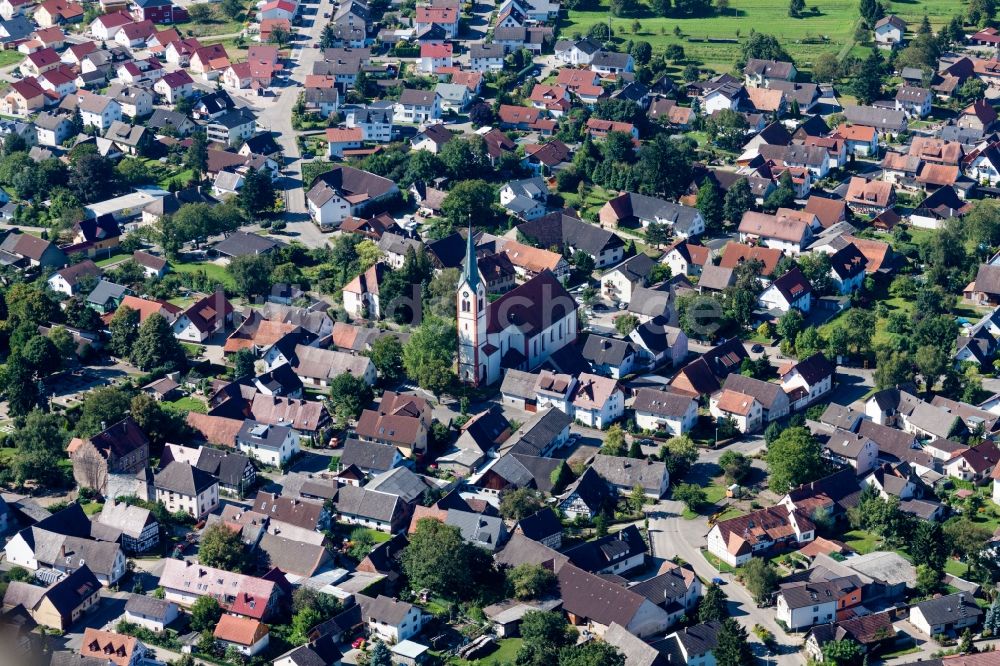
[23,98]
[685,258]
[140,529]
[615,554]
[248,636]
[848,448]
[273,445]
[184,582]
[808,380]
[861,140]
[400,420]
[803,604]
[344,191]
[369,508]
[588,496]
[183,487]
[417,107]
[847,269]
[761,532]
[780,231]
[791,290]
[890,32]
[596,603]
[773,400]
[625,474]
[149,612]
[945,615]
[565,230]
[663,411]
[68,281]
[760,73]
[204,318]
[609,356]
[619,283]
[390,619]
[174,86]
[914,101]
[60,605]
[744,411]
[869,197]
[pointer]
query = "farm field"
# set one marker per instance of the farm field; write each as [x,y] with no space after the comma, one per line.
[831,29]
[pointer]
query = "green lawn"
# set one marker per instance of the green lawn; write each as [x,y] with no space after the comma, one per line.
[188,404]
[504,654]
[10,57]
[113,259]
[92,508]
[862,541]
[214,271]
[716,562]
[955,567]
[597,196]
[829,30]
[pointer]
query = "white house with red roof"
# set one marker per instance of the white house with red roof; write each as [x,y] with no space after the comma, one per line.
[278,9]
[106,26]
[174,86]
[433,57]
[134,35]
[444,16]
[179,52]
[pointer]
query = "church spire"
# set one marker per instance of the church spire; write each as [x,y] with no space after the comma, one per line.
[471,269]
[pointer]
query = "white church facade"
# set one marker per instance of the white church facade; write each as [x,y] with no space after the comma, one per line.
[519,330]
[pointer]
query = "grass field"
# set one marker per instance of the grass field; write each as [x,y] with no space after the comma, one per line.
[10,57]
[504,654]
[861,541]
[214,271]
[188,404]
[830,29]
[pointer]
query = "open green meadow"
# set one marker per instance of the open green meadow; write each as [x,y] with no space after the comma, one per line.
[829,29]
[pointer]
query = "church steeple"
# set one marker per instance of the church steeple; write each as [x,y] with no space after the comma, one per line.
[471,313]
[470,272]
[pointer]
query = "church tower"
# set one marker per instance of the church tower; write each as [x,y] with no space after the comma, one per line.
[471,316]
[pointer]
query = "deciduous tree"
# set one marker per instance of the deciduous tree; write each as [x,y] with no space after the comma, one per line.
[156,346]
[520,503]
[439,559]
[530,581]
[386,354]
[795,457]
[223,548]
[739,199]
[760,578]
[349,395]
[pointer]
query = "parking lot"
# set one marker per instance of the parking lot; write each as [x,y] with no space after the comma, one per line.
[68,389]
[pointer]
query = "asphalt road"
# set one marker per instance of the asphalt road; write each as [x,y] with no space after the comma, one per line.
[275,114]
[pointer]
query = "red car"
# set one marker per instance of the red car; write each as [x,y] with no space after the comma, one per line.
[358,644]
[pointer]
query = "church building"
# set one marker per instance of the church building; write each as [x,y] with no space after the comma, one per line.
[519,330]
